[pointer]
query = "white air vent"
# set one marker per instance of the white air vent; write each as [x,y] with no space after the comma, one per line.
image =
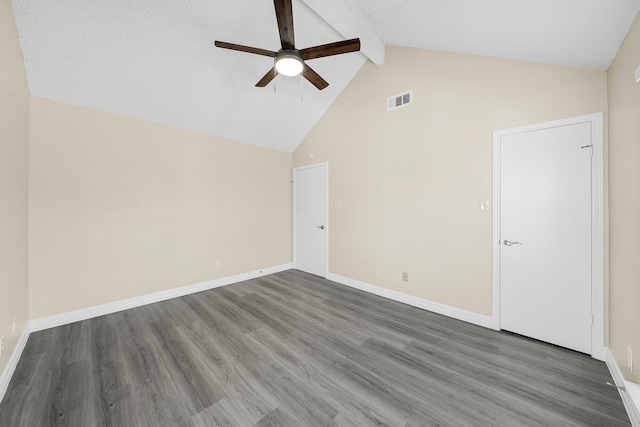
[399,100]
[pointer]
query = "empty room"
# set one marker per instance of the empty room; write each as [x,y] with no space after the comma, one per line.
[320,213]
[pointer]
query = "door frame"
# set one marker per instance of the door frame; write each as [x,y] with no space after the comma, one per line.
[324,165]
[596,120]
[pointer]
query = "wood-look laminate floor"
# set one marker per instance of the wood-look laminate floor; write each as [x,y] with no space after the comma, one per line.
[292,349]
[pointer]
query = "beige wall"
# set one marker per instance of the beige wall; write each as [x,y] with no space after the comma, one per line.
[624,207]
[14,185]
[410,181]
[122,208]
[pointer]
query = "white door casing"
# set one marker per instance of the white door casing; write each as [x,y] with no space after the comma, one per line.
[548,191]
[310,219]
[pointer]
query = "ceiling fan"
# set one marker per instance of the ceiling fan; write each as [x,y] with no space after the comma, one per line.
[290,61]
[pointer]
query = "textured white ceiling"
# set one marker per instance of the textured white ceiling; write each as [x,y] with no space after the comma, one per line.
[575,33]
[155,59]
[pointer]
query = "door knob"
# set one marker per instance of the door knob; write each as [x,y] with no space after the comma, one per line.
[321,227]
[510,243]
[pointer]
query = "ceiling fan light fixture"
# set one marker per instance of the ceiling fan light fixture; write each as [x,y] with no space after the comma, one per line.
[289,63]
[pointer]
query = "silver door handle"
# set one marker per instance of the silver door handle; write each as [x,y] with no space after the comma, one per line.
[510,243]
[321,227]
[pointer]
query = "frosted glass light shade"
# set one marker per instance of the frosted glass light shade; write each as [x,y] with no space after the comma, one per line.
[289,64]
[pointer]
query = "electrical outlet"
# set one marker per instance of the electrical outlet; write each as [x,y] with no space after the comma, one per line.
[405,276]
[1,345]
[630,358]
[217,265]
[378,271]
[13,324]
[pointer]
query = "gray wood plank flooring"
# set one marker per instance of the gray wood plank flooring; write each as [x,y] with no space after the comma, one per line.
[292,349]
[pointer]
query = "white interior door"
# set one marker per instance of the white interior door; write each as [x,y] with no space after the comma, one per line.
[546,235]
[310,219]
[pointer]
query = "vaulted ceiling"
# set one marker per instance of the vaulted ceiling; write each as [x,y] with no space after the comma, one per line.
[155,59]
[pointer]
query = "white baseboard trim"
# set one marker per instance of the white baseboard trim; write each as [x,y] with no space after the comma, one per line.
[436,307]
[629,392]
[6,375]
[101,310]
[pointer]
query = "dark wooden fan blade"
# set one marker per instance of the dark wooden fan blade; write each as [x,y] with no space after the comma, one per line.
[284,15]
[247,49]
[271,74]
[330,49]
[314,77]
